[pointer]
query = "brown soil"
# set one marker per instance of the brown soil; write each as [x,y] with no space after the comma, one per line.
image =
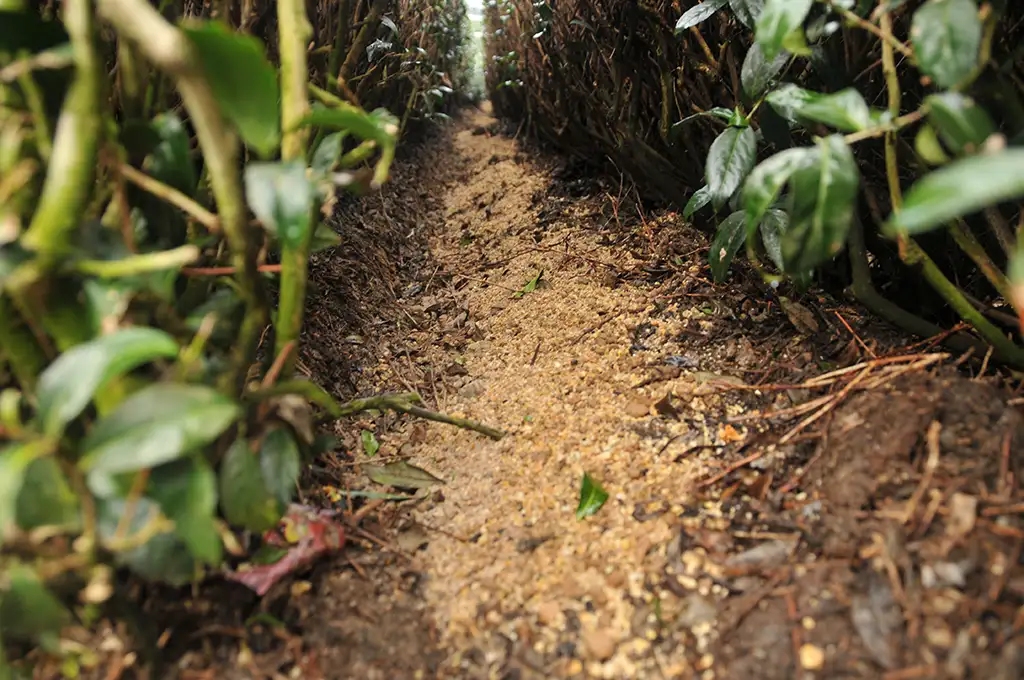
[792,493]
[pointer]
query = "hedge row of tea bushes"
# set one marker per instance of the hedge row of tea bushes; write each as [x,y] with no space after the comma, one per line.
[872,143]
[164,167]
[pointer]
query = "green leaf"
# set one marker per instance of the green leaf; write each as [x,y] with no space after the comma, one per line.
[28,610]
[170,161]
[281,463]
[947,37]
[845,110]
[156,425]
[281,196]
[15,460]
[730,158]
[401,475]
[963,125]
[46,498]
[1015,272]
[323,238]
[244,496]
[767,179]
[327,153]
[821,204]
[164,558]
[779,19]
[186,491]
[730,236]
[964,186]
[378,125]
[927,146]
[698,14]
[68,385]
[701,197]
[773,226]
[592,497]
[757,73]
[370,444]
[747,11]
[243,81]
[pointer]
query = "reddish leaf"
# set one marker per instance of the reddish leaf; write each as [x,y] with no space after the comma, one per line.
[306,534]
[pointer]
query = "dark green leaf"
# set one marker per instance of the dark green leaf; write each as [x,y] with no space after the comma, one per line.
[773,226]
[947,37]
[28,610]
[281,196]
[163,558]
[592,497]
[370,444]
[963,125]
[758,73]
[699,13]
[186,491]
[244,496]
[960,188]
[46,498]
[156,425]
[701,197]
[747,11]
[401,475]
[281,463]
[171,160]
[777,21]
[821,207]
[730,236]
[730,158]
[845,110]
[68,385]
[327,153]
[1015,272]
[323,238]
[243,81]
[15,460]
[767,179]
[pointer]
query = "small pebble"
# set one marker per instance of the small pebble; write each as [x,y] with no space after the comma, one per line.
[812,657]
[599,644]
[548,613]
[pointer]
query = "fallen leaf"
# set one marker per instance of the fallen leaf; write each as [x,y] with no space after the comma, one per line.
[370,444]
[665,408]
[401,475]
[592,497]
[728,435]
[801,317]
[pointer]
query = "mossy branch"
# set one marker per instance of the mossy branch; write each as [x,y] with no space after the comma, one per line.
[167,48]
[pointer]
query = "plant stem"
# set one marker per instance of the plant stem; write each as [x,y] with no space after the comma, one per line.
[340,39]
[72,165]
[166,47]
[139,264]
[370,24]
[974,250]
[171,195]
[18,347]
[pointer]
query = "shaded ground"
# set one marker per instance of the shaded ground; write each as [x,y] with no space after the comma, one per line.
[789,486]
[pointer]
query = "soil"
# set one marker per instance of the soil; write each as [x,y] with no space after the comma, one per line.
[792,489]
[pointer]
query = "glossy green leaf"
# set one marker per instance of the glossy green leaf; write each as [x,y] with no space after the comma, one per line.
[946,35]
[46,498]
[701,197]
[401,475]
[777,21]
[186,491]
[927,146]
[370,444]
[747,11]
[28,610]
[845,110]
[379,126]
[327,153]
[243,81]
[281,463]
[731,235]
[964,186]
[15,460]
[767,179]
[244,496]
[68,385]
[821,204]
[592,497]
[961,123]
[757,73]
[730,159]
[170,161]
[281,196]
[773,226]
[323,238]
[698,14]
[157,424]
